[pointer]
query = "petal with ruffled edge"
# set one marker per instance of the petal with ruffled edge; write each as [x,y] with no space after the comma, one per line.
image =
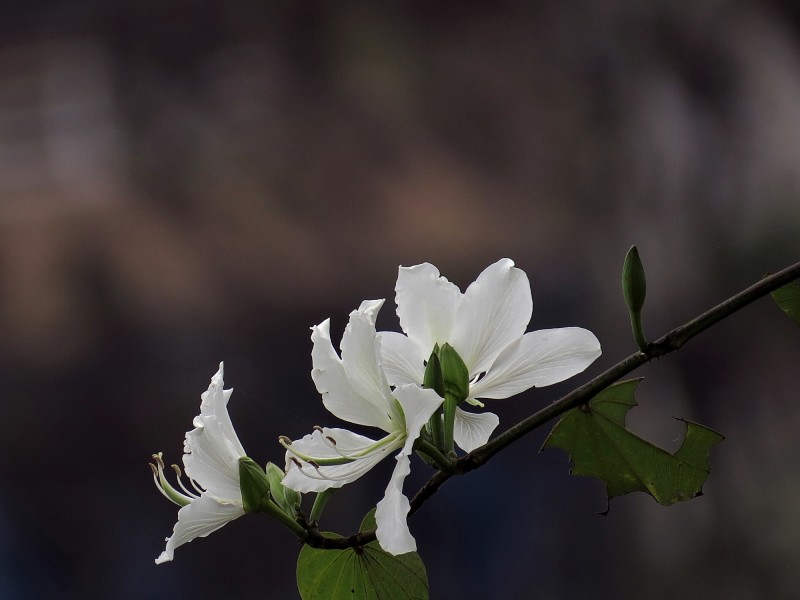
[335,443]
[495,311]
[212,449]
[426,305]
[333,384]
[472,430]
[361,361]
[401,359]
[538,359]
[390,514]
[202,516]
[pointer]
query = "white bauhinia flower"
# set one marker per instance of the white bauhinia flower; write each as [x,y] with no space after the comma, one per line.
[354,388]
[211,460]
[486,326]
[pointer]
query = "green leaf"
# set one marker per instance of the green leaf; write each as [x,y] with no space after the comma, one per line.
[599,445]
[788,298]
[363,573]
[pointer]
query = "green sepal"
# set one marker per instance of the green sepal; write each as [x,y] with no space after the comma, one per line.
[454,373]
[288,500]
[433,378]
[254,484]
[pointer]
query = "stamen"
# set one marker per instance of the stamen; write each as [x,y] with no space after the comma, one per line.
[318,428]
[163,485]
[330,439]
[179,478]
[297,462]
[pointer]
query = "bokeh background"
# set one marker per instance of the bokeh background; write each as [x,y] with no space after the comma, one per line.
[185,182]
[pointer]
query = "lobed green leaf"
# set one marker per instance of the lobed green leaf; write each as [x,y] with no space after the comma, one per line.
[600,445]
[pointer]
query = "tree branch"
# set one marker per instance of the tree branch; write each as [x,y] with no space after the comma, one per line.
[670,342]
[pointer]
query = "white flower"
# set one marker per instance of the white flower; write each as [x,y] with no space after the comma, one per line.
[486,326]
[355,389]
[211,459]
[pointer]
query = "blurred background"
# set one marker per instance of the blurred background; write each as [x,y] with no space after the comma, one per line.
[188,182]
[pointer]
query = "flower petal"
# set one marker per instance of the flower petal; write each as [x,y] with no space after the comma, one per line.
[538,359]
[212,449]
[391,512]
[418,405]
[473,429]
[202,516]
[332,381]
[495,310]
[426,305]
[334,443]
[401,359]
[361,361]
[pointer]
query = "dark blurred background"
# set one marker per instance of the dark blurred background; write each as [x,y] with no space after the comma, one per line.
[188,182]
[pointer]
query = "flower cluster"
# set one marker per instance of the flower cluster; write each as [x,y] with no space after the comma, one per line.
[384,380]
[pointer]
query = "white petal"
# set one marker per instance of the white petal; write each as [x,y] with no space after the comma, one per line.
[212,448]
[390,515]
[332,382]
[361,362]
[426,305]
[401,359]
[371,308]
[203,516]
[418,406]
[320,444]
[495,311]
[472,430]
[538,359]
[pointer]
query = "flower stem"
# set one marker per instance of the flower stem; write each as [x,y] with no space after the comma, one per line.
[435,424]
[450,404]
[320,501]
[273,510]
[638,331]
[433,453]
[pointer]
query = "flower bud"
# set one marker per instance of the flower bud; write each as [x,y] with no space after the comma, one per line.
[454,373]
[288,500]
[254,485]
[433,374]
[634,289]
[634,286]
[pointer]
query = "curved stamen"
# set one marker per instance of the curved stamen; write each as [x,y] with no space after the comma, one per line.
[344,457]
[179,477]
[164,486]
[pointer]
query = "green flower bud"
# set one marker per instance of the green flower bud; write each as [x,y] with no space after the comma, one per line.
[433,378]
[454,373]
[288,500]
[634,289]
[634,286]
[254,485]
